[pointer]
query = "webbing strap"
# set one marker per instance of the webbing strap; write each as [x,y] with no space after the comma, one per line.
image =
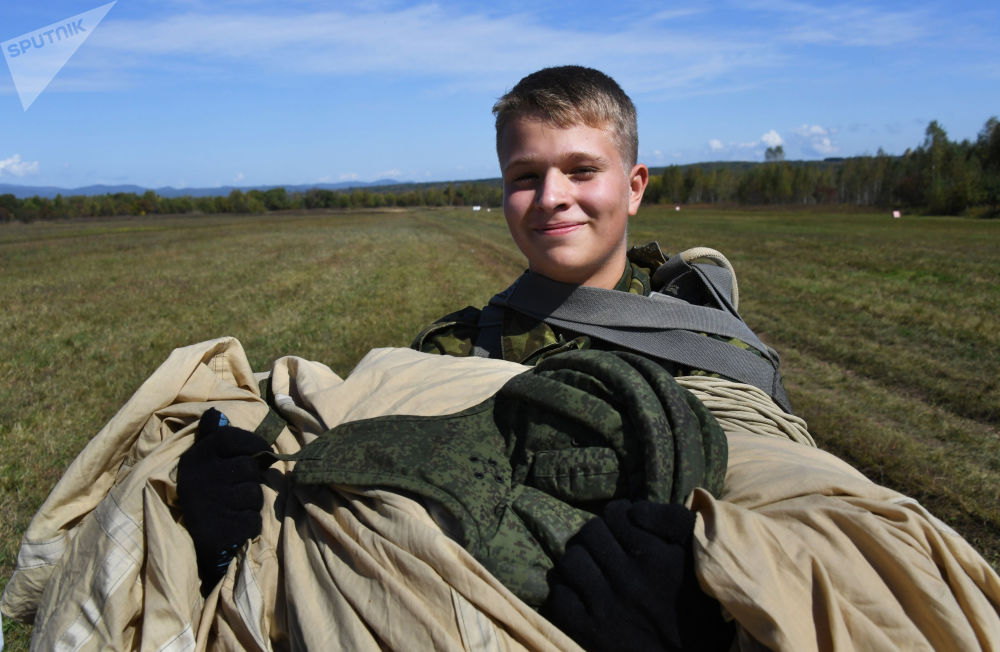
[660,326]
[718,281]
[717,278]
[273,423]
[541,297]
[689,349]
[488,343]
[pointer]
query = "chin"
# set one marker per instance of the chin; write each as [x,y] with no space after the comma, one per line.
[564,273]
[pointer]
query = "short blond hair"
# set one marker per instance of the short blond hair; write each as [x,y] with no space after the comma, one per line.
[572,95]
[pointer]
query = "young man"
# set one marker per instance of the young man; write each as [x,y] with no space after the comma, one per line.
[567,143]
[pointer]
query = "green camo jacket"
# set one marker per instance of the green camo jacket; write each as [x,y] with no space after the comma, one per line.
[520,473]
[528,340]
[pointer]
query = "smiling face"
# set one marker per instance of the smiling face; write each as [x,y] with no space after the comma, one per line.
[567,198]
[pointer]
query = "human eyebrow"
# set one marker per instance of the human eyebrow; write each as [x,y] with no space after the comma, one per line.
[524,161]
[586,158]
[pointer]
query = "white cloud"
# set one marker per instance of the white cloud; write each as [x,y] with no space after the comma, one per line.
[349,176]
[806,140]
[816,139]
[389,174]
[824,146]
[772,139]
[810,130]
[14,166]
[239,177]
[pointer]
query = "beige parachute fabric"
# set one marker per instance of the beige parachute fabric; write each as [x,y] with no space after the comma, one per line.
[800,548]
[808,554]
[743,408]
[106,565]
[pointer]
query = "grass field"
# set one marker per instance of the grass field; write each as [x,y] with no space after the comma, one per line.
[887,328]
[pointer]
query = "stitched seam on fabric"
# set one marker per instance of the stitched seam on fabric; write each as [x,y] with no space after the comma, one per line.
[463,626]
[80,631]
[184,640]
[34,554]
[117,526]
[486,636]
[249,603]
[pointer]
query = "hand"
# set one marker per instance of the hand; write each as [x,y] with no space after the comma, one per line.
[627,582]
[219,490]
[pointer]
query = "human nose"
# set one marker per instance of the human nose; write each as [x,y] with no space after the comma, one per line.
[552,193]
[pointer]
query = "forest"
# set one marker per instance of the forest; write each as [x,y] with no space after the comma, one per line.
[939,176]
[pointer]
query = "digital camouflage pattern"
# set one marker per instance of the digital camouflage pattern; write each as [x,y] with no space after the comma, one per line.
[527,340]
[524,470]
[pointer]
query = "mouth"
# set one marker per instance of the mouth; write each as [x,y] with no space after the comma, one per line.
[558,228]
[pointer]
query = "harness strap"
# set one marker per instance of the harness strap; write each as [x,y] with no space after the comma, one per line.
[661,326]
[488,343]
[273,423]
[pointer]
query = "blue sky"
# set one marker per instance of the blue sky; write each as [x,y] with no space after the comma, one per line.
[192,93]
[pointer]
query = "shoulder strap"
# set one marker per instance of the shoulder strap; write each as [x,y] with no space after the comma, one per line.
[488,343]
[660,325]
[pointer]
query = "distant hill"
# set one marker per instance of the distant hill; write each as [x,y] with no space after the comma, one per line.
[22,192]
[392,185]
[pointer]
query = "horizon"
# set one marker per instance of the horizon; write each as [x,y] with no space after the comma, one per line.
[188,94]
[25,191]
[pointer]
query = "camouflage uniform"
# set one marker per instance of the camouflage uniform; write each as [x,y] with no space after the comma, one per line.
[521,472]
[527,340]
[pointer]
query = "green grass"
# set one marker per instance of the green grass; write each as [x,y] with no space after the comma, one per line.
[890,342]
[887,328]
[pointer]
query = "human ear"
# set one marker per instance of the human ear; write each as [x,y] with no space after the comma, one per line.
[637,180]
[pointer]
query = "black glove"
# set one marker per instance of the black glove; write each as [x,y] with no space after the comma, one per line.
[219,490]
[627,582]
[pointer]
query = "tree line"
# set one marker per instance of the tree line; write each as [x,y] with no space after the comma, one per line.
[251,201]
[939,176]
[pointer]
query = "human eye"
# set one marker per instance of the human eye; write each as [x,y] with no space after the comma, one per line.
[583,172]
[522,178]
